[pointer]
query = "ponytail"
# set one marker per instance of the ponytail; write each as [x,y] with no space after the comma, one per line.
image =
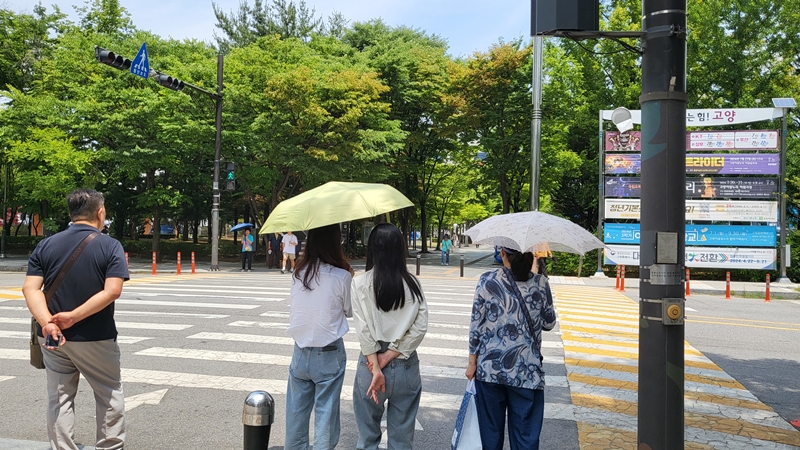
[521,265]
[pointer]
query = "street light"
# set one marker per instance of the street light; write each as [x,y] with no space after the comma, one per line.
[785,104]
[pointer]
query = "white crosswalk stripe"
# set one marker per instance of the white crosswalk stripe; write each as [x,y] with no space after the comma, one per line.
[170,330]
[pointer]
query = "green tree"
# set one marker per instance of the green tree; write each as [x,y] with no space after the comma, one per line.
[297,118]
[284,18]
[414,66]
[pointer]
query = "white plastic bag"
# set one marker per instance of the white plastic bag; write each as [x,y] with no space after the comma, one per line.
[467,434]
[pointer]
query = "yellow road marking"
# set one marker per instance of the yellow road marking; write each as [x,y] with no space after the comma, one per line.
[629,355]
[764,327]
[567,336]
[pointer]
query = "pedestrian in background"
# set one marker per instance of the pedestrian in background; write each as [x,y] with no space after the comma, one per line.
[274,250]
[288,245]
[80,320]
[511,308]
[390,317]
[247,250]
[446,246]
[319,307]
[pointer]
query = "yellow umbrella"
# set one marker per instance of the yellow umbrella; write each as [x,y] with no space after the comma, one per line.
[334,202]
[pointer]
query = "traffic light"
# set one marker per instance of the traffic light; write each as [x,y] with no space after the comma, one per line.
[108,57]
[169,82]
[230,176]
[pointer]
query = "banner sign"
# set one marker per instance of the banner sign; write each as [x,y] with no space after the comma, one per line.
[624,164]
[721,187]
[729,164]
[699,235]
[710,257]
[623,187]
[708,187]
[715,117]
[630,141]
[712,210]
[733,140]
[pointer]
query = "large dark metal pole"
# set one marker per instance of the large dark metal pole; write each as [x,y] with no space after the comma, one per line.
[536,121]
[663,100]
[783,254]
[217,145]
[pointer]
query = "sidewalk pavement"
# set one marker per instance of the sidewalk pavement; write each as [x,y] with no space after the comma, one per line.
[476,260]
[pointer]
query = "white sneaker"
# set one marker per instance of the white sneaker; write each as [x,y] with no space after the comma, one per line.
[283,271]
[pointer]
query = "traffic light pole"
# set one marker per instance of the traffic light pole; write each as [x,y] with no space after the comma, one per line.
[661,330]
[217,145]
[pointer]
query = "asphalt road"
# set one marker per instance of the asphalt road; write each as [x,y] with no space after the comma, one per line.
[194,346]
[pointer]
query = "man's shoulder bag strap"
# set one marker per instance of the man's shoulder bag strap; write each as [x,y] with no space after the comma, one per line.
[51,290]
[37,360]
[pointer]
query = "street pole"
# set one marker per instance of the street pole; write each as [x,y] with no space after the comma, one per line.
[661,332]
[5,212]
[601,204]
[217,145]
[783,253]
[536,121]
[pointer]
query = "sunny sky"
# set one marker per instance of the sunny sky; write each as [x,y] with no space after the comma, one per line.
[467,25]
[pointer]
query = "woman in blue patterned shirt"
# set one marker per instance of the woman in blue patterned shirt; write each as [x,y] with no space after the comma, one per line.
[511,308]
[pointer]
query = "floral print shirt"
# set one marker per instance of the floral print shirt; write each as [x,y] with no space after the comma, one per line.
[509,352]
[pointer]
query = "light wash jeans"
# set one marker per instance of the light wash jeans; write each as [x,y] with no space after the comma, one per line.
[403,391]
[445,257]
[315,381]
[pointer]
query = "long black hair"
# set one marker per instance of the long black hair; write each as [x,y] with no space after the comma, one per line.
[323,245]
[386,257]
[521,263]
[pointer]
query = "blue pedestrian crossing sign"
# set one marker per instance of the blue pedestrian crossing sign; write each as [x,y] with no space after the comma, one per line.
[141,63]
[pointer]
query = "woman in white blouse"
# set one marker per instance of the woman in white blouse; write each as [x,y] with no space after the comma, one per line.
[320,306]
[390,318]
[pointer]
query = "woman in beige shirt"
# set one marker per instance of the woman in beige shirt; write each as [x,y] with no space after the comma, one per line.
[390,318]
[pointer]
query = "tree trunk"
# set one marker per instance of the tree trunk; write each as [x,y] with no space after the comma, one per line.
[156,227]
[404,227]
[195,231]
[504,192]
[423,218]
[185,236]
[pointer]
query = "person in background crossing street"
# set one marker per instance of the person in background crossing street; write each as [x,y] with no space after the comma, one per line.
[81,317]
[447,244]
[320,305]
[511,308]
[247,250]
[274,250]
[390,317]
[288,245]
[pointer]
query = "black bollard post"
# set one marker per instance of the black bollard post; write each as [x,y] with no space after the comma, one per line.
[418,263]
[257,418]
[461,264]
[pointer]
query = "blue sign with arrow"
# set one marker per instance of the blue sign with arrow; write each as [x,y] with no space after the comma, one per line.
[141,63]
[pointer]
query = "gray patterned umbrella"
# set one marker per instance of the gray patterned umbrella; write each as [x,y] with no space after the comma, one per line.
[533,231]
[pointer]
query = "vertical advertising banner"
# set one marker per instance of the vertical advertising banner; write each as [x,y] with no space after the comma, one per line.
[623,187]
[708,257]
[700,235]
[733,140]
[720,187]
[711,210]
[705,187]
[732,164]
[630,141]
[619,163]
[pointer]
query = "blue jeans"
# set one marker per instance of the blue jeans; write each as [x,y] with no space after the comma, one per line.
[445,257]
[525,409]
[316,375]
[403,392]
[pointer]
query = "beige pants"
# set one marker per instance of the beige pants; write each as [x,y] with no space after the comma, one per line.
[98,362]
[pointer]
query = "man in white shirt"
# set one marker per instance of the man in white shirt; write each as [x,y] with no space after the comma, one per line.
[288,244]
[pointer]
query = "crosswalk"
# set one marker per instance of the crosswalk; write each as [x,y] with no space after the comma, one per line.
[226,333]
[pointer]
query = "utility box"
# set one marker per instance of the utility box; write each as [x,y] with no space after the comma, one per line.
[564,15]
